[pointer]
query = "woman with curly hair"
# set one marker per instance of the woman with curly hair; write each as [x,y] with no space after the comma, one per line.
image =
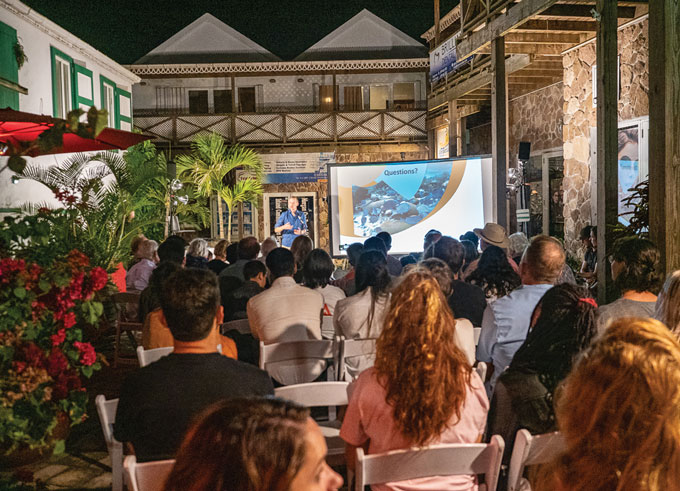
[619,413]
[668,303]
[253,445]
[636,271]
[421,390]
[494,274]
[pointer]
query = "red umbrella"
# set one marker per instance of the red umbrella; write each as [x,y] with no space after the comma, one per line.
[17,127]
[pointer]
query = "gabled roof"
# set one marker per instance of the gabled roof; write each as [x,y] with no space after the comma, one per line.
[207,40]
[365,37]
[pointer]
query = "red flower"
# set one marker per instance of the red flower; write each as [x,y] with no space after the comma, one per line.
[75,288]
[69,320]
[19,366]
[99,278]
[58,338]
[64,383]
[87,353]
[77,259]
[34,356]
[57,363]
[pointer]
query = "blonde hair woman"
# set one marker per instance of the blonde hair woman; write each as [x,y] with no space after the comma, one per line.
[668,303]
[619,412]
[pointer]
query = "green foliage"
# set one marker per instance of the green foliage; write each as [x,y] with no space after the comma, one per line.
[638,218]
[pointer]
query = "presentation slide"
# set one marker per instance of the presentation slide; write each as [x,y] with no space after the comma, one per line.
[407,199]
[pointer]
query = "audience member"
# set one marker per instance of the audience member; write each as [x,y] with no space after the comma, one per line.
[220,261]
[253,445]
[347,282]
[668,303]
[618,413]
[361,316]
[150,299]
[466,301]
[506,320]
[491,235]
[464,332]
[589,253]
[172,250]
[255,274]
[197,255]
[471,254]
[406,260]
[636,271]
[375,244]
[494,275]
[393,264]
[137,277]
[431,237]
[472,237]
[562,325]
[287,312]
[135,250]
[158,401]
[248,249]
[517,242]
[421,390]
[267,246]
[317,272]
[301,246]
[232,253]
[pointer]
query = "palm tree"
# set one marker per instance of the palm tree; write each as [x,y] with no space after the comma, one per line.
[208,167]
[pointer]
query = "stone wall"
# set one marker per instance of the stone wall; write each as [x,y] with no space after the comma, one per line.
[363,153]
[580,116]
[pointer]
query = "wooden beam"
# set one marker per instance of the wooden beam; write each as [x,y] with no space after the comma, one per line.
[532,49]
[437,31]
[664,128]
[557,26]
[468,110]
[585,11]
[499,129]
[512,64]
[607,138]
[542,38]
[521,80]
[501,25]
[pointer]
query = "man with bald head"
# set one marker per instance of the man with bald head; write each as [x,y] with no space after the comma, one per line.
[506,321]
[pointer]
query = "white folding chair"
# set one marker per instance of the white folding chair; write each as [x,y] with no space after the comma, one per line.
[531,450]
[240,325]
[148,356]
[147,476]
[435,460]
[107,417]
[320,394]
[481,370]
[349,348]
[315,349]
[477,332]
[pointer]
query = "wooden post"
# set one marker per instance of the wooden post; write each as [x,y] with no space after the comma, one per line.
[234,109]
[453,116]
[436,23]
[607,141]
[664,128]
[499,129]
[462,125]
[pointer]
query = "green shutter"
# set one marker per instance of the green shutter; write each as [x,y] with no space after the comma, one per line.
[9,70]
[82,81]
[123,118]
[54,52]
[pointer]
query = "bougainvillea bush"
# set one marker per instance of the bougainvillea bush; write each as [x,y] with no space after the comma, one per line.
[44,308]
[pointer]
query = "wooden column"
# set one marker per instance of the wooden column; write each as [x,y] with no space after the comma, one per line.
[499,129]
[664,129]
[453,116]
[234,109]
[462,143]
[436,23]
[607,137]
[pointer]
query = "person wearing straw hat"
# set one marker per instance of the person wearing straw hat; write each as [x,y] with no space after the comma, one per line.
[491,234]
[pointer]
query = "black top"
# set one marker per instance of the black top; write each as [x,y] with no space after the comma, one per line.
[196,262]
[216,266]
[467,302]
[235,308]
[591,260]
[158,402]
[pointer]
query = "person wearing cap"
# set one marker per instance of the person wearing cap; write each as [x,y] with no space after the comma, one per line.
[491,234]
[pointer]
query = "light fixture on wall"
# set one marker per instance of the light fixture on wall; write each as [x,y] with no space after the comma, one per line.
[300,80]
[272,80]
[327,100]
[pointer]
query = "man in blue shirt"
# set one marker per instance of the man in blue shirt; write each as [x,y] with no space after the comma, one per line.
[506,321]
[291,223]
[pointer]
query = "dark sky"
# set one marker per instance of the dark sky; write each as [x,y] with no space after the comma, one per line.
[125,30]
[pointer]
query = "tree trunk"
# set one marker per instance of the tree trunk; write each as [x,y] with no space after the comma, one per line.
[229,220]
[220,218]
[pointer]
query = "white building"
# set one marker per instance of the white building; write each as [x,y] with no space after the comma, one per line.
[61,73]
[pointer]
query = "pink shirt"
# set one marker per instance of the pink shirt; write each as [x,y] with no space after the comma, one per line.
[369,417]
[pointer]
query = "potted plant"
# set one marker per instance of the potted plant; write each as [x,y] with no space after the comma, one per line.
[44,309]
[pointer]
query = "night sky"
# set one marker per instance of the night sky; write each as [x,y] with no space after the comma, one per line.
[125,30]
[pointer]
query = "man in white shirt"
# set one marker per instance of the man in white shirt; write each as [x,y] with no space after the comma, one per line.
[287,312]
[137,279]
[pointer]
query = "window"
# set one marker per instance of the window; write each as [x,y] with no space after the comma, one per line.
[123,109]
[404,96]
[61,84]
[9,70]
[354,98]
[379,97]
[198,102]
[246,99]
[222,101]
[326,99]
[108,95]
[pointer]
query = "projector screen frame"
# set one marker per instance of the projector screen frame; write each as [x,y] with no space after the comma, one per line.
[329,198]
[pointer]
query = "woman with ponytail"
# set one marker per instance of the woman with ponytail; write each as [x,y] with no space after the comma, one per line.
[562,325]
[421,390]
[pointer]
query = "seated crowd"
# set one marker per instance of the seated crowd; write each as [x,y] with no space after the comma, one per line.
[607,378]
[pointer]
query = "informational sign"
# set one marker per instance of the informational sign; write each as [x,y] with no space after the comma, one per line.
[442,136]
[522,215]
[443,60]
[281,168]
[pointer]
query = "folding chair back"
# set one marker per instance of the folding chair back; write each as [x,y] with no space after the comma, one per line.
[240,325]
[531,450]
[107,417]
[350,348]
[126,321]
[477,333]
[147,476]
[148,356]
[315,349]
[434,460]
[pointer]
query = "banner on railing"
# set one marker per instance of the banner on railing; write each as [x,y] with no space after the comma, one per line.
[280,168]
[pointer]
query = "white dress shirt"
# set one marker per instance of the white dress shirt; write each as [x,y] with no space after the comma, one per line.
[138,277]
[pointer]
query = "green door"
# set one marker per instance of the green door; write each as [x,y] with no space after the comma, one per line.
[9,70]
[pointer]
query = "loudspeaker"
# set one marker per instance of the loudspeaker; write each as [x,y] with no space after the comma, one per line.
[524,150]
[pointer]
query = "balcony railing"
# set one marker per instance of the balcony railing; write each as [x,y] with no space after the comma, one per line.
[288,127]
